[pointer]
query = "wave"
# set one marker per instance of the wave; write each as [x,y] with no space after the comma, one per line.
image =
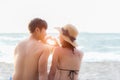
[100,57]
[88,57]
[96,47]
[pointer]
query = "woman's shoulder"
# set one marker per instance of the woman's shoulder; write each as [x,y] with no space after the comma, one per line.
[57,51]
[58,48]
[79,52]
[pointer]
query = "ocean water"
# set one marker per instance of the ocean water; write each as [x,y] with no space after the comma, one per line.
[97,47]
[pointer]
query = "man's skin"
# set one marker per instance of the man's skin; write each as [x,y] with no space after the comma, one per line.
[31,56]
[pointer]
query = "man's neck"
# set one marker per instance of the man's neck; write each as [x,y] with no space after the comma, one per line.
[33,36]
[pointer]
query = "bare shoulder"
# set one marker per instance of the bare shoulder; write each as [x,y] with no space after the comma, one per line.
[38,46]
[46,49]
[19,45]
[79,52]
[57,50]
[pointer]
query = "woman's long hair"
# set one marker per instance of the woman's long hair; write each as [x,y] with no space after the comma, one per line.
[65,44]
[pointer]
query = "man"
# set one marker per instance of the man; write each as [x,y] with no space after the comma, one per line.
[31,55]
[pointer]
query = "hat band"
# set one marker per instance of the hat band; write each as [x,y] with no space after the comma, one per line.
[66,33]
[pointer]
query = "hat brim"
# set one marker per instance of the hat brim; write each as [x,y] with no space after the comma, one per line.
[74,43]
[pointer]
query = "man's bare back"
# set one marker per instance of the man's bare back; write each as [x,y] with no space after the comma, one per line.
[27,60]
[31,55]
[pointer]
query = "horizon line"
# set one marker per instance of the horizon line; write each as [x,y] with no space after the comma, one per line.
[57,32]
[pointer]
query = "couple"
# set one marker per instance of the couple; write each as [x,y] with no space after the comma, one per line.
[31,55]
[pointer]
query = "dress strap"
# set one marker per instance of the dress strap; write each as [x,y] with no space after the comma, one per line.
[71,73]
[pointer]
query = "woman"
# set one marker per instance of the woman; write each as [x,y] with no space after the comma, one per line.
[66,58]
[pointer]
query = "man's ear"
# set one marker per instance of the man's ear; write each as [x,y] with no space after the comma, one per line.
[37,29]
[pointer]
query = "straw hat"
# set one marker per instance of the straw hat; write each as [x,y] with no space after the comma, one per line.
[69,33]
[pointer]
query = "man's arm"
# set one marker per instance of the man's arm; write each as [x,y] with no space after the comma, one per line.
[42,65]
[53,66]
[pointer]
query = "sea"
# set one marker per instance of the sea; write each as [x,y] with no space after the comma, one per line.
[96,47]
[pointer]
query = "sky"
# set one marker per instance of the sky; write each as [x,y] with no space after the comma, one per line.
[99,16]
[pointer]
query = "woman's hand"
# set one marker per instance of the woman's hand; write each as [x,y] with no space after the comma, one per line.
[52,41]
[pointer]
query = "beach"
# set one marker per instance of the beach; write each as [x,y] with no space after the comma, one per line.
[88,71]
[100,71]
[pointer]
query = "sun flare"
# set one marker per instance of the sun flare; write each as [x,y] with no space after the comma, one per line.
[51,42]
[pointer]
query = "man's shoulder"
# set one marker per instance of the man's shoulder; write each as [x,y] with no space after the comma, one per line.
[46,47]
[18,46]
[41,45]
[22,42]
